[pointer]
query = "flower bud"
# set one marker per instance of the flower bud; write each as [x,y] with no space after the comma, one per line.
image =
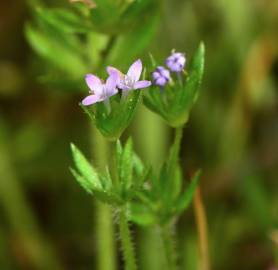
[161,76]
[176,62]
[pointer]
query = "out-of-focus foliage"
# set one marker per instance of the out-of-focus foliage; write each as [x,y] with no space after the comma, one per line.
[78,35]
[232,134]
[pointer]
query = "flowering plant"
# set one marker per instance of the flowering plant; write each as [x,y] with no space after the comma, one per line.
[93,35]
[139,194]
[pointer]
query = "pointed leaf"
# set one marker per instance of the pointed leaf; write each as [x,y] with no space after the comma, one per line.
[64,19]
[187,95]
[126,165]
[112,125]
[49,48]
[138,164]
[196,70]
[85,168]
[141,215]
[185,199]
[87,185]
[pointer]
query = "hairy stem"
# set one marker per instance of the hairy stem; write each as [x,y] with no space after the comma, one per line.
[169,244]
[200,217]
[126,242]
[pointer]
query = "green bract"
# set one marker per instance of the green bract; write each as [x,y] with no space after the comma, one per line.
[164,199]
[176,100]
[127,180]
[111,123]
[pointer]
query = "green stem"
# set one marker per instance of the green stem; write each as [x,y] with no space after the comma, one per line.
[169,244]
[126,242]
[175,149]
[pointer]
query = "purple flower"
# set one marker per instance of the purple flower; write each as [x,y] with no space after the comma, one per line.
[100,91]
[161,76]
[176,62]
[130,81]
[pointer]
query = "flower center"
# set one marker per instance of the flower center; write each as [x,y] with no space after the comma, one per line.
[128,81]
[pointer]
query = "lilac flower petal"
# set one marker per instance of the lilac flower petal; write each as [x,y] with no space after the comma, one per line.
[142,84]
[89,100]
[161,76]
[161,81]
[135,70]
[165,73]
[111,70]
[111,83]
[94,83]
[156,75]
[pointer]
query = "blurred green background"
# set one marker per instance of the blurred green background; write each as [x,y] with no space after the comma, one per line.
[47,221]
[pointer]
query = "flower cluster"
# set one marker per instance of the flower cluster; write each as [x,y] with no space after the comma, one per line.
[101,91]
[175,63]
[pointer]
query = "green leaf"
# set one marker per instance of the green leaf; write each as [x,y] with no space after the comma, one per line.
[140,179]
[138,164]
[196,71]
[87,185]
[64,20]
[127,165]
[85,169]
[102,195]
[113,124]
[119,151]
[89,112]
[186,197]
[57,53]
[106,180]
[141,215]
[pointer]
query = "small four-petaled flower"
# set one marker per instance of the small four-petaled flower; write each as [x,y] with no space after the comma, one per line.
[100,91]
[130,81]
